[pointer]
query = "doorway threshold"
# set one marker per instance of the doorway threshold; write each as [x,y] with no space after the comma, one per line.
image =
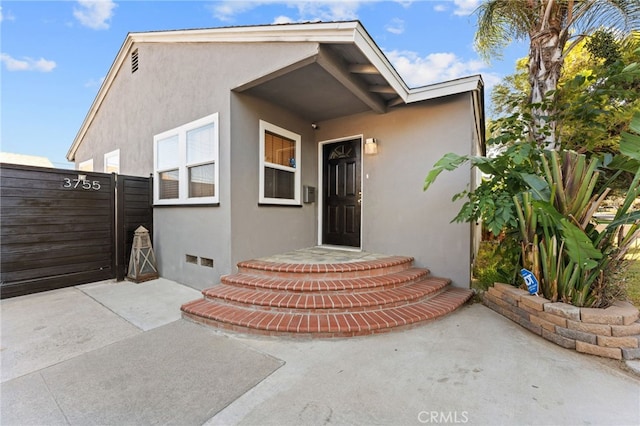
[340,248]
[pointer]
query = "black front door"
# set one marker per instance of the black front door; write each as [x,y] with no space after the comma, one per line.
[341,193]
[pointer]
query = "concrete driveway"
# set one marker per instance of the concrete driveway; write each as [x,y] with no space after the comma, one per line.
[118,353]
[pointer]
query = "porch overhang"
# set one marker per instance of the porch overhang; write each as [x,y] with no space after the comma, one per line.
[321,87]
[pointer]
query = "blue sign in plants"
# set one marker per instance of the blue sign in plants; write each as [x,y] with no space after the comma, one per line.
[530,280]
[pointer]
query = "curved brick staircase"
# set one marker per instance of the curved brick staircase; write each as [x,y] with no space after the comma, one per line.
[325,299]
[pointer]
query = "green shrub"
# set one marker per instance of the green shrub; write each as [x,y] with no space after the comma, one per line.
[496,261]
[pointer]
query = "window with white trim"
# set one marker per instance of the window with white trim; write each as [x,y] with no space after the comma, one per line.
[112,162]
[86,166]
[279,165]
[186,163]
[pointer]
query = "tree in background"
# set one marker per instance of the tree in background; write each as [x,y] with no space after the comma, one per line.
[596,97]
[553,28]
[599,93]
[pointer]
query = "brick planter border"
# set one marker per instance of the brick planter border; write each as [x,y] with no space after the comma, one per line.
[613,332]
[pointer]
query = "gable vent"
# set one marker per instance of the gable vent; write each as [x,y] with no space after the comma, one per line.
[134,61]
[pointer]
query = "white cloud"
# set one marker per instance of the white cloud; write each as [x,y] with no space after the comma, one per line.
[437,67]
[465,7]
[226,10]
[440,8]
[490,79]
[327,10]
[331,10]
[94,82]
[95,14]
[396,26]
[282,20]
[6,16]
[404,3]
[27,64]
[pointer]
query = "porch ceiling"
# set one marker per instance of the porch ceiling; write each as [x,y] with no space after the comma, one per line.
[336,82]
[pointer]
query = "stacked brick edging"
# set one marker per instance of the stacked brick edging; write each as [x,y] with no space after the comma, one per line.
[613,332]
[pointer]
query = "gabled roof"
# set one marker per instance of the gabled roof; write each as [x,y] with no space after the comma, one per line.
[356,74]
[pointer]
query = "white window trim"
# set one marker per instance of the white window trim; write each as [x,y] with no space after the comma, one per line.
[183,182]
[264,127]
[86,166]
[115,153]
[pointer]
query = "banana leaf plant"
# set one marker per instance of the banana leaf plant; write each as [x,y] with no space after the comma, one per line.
[561,242]
[551,199]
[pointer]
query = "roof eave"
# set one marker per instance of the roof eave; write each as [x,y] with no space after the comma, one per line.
[446,88]
[324,32]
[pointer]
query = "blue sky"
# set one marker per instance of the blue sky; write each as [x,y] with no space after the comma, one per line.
[55,54]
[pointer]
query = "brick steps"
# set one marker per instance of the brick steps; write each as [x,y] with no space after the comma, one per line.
[369,268]
[323,325]
[325,300]
[309,285]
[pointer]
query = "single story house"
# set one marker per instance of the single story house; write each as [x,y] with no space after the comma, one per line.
[266,139]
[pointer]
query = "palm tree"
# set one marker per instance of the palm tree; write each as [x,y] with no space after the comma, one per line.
[553,28]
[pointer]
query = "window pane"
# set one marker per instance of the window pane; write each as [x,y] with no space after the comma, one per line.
[201,181]
[279,183]
[112,163]
[200,144]
[86,166]
[168,152]
[279,150]
[168,184]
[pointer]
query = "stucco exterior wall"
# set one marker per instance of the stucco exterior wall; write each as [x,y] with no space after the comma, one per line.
[176,84]
[398,216]
[193,231]
[260,230]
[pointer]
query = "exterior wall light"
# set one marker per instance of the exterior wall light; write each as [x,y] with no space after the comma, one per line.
[370,146]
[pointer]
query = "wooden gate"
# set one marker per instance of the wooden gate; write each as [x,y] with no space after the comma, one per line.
[60,228]
[134,208]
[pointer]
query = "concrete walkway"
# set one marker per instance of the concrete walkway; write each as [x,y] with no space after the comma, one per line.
[118,353]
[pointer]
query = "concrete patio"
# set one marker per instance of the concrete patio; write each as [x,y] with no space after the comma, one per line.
[118,353]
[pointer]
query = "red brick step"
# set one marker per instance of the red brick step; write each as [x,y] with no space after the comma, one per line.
[344,324]
[326,299]
[368,268]
[318,284]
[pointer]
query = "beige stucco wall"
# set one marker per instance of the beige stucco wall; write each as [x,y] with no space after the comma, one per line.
[168,91]
[175,84]
[261,230]
[398,216]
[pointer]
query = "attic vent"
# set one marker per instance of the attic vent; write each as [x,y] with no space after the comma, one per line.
[134,61]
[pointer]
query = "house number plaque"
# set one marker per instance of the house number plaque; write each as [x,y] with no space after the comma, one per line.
[82,183]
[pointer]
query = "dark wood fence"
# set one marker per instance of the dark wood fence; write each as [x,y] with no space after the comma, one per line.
[60,228]
[134,209]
